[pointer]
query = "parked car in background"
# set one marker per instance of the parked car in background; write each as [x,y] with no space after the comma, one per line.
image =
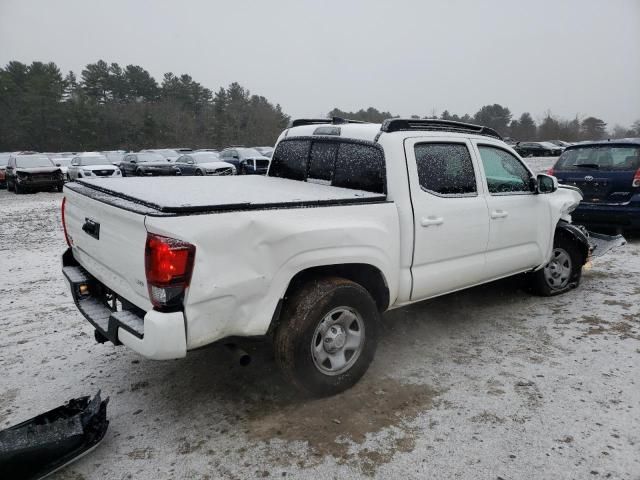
[537,149]
[240,158]
[182,150]
[114,156]
[254,166]
[214,150]
[264,150]
[560,143]
[91,165]
[147,164]
[4,159]
[63,163]
[204,163]
[167,153]
[608,173]
[32,172]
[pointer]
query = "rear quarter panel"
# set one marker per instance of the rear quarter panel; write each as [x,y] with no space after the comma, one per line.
[245,260]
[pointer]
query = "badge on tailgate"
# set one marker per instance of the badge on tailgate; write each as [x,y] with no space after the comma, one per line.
[91,228]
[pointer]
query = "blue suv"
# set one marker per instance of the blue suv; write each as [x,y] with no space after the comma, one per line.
[608,173]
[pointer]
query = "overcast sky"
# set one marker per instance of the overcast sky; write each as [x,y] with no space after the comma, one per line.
[408,57]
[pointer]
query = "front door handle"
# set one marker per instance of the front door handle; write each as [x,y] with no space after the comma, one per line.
[431,220]
[499,214]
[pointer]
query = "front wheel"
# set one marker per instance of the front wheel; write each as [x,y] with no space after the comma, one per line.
[562,273]
[328,335]
[139,173]
[18,188]
[199,173]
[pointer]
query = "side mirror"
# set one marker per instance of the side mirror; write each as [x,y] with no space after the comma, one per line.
[547,183]
[58,164]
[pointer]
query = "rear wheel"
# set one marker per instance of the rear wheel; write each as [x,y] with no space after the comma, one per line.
[199,173]
[328,335]
[19,189]
[563,271]
[9,186]
[139,173]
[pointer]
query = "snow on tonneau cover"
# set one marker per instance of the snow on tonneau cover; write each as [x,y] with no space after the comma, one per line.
[115,253]
[197,194]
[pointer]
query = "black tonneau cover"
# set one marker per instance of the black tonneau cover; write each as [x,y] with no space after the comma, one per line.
[169,196]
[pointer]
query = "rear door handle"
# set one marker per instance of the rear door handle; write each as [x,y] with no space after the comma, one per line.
[431,220]
[499,214]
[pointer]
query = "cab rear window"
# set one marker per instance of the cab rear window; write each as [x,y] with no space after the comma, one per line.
[342,163]
[619,158]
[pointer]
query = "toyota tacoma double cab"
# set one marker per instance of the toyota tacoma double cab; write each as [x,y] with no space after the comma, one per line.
[352,219]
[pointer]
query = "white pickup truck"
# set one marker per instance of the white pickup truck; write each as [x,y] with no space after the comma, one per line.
[353,219]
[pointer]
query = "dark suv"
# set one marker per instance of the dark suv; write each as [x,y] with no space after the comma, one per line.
[33,172]
[144,164]
[248,161]
[608,173]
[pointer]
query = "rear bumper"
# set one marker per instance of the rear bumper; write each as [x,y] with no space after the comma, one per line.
[624,216]
[155,335]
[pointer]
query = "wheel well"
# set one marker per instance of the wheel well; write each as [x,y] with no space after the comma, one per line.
[574,235]
[366,275]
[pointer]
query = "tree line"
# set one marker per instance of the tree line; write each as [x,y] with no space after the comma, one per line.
[114,107]
[522,128]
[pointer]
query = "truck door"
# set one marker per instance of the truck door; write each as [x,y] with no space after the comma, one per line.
[451,220]
[520,230]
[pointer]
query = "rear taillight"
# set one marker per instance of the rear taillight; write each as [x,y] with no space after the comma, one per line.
[168,266]
[551,172]
[64,221]
[636,179]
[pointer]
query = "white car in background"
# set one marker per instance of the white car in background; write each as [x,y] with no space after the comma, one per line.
[91,165]
[204,163]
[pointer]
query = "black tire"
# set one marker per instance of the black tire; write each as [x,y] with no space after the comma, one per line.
[199,173]
[139,173]
[9,186]
[18,189]
[59,188]
[302,316]
[569,258]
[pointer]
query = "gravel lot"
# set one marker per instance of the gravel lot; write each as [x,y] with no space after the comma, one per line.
[489,383]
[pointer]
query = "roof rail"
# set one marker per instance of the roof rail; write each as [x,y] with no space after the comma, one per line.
[315,121]
[403,124]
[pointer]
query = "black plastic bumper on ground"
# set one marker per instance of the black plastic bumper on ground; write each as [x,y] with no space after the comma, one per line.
[95,303]
[46,443]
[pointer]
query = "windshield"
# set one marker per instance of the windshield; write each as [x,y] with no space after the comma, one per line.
[31,161]
[151,157]
[249,152]
[94,160]
[64,162]
[206,157]
[604,157]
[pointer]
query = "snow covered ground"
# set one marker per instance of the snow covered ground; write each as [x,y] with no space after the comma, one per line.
[487,383]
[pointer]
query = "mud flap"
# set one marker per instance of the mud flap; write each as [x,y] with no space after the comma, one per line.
[38,447]
[601,244]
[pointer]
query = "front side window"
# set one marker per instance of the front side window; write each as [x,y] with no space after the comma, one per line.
[504,172]
[445,169]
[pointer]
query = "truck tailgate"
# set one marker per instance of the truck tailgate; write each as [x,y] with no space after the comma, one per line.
[109,242]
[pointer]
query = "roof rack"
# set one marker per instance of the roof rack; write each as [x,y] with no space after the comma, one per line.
[299,122]
[404,124]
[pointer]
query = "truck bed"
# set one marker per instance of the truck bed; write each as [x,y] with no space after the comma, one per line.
[159,196]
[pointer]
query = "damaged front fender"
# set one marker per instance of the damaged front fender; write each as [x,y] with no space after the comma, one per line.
[38,447]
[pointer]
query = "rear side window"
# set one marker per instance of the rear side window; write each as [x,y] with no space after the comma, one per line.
[618,158]
[346,164]
[445,169]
